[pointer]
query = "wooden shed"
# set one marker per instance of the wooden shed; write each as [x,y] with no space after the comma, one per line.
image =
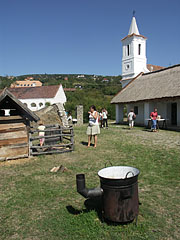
[15,119]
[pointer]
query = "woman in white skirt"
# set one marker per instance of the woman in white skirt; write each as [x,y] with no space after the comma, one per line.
[93,127]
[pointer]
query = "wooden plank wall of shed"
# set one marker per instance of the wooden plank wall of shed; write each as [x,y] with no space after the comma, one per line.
[13,141]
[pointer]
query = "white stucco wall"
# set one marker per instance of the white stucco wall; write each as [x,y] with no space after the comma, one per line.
[119,113]
[140,116]
[60,97]
[136,63]
[144,110]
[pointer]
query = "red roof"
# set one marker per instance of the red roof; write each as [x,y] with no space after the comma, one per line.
[153,68]
[128,36]
[34,92]
[69,89]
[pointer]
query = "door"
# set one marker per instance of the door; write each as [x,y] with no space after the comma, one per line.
[174,113]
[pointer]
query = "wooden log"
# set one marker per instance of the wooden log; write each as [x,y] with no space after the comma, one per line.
[13,141]
[12,126]
[69,139]
[50,146]
[12,130]
[13,158]
[16,145]
[10,152]
[72,139]
[50,136]
[12,135]
[6,118]
[51,152]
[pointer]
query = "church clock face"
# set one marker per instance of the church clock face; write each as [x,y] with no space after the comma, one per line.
[127,66]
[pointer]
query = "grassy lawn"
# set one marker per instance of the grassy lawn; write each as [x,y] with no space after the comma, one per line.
[37,204]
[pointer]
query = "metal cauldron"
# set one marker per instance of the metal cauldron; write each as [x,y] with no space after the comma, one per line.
[119,192]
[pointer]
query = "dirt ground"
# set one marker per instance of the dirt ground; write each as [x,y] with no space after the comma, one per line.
[164,138]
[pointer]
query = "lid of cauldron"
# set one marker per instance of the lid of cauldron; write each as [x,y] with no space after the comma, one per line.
[118,172]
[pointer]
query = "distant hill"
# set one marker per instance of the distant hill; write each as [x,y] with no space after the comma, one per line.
[91,89]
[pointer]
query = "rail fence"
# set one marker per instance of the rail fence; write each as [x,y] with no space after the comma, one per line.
[57,139]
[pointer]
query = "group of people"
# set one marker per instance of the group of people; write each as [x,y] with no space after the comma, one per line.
[97,120]
[153,117]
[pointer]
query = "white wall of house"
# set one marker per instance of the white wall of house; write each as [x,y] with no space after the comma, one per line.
[140,115]
[36,104]
[60,96]
[119,113]
[145,108]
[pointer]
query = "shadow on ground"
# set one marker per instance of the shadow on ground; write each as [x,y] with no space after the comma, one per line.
[94,204]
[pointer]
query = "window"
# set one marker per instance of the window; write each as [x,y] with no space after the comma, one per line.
[136,110]
[25,104]
[40,104]
[128,49]
[139,49]
[33,105]
[24,85]
[47,104]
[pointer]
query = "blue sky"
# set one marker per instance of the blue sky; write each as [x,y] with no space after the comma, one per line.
[83,36]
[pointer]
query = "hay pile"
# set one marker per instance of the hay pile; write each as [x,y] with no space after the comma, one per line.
[49,115]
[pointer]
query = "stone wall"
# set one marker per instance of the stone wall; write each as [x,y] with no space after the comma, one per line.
[79,112]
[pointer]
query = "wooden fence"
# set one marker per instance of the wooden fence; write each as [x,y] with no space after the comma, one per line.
[57,139]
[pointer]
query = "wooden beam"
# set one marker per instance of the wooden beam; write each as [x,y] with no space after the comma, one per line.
[50,146]
[50,136]
[50,152]
[13,141]
[13,158]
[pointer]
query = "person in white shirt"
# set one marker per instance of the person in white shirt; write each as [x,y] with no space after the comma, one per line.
[131,117]
[93,127]
[104,116]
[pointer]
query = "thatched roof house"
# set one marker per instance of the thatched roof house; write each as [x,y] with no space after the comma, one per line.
[159,89]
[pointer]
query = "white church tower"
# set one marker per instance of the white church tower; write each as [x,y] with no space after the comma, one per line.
[133,54]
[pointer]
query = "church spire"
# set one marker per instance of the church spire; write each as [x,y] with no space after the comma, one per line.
[133,28]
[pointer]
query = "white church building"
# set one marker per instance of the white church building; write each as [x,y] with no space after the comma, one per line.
[36,98]
[145,86]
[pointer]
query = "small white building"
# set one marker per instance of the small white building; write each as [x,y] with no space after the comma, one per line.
[36,98]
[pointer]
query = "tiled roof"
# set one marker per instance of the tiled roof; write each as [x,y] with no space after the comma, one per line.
[153,68]
[69,89]
[35,92]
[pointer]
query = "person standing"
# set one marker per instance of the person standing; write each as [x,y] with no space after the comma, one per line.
[131,117]
[41,129]
[105,116]
[153,117]
[93,127]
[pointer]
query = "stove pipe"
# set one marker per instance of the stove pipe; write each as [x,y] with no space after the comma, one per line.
[86,192]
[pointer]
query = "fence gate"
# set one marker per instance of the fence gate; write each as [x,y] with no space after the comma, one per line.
[57,139]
